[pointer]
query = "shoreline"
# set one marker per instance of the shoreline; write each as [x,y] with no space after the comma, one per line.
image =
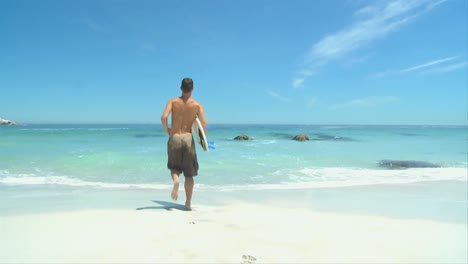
[443,201]
[224,234]
[368,224]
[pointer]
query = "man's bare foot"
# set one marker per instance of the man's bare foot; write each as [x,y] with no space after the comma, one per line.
[188,206]
[175,190]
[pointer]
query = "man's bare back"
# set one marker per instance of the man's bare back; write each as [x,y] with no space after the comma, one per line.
[183,113]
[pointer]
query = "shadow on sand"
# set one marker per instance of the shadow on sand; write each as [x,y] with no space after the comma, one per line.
[165,205]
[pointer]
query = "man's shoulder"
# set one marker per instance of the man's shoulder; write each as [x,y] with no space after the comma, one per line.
[174,99]
[194,101]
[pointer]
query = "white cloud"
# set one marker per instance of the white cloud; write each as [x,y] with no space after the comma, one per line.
[448,68]
[352,61]
[365,102]
[427,67]
[379,22]
[434,4]
[275,95]
[297,82]
[366,11]
[372,22]
[428,64]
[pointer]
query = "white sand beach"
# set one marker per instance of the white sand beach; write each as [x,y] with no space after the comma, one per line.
[233,233]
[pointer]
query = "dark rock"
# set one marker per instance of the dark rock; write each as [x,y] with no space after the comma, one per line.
[242,137]
[405,164]
[301,137]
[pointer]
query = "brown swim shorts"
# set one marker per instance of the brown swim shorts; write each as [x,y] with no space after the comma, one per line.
[181,155]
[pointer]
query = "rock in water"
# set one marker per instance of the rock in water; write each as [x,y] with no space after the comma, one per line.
[242,137]
[405,164]
[301,137]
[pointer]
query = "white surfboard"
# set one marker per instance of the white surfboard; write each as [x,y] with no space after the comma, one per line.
[199,134]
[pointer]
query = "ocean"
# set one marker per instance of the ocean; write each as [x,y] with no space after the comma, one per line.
[43,161]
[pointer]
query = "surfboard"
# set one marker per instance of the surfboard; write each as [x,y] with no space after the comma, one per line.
[199,133]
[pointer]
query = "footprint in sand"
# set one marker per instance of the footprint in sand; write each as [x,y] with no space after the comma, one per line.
[246,259]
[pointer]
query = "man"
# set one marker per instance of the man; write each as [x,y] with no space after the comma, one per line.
[182,157]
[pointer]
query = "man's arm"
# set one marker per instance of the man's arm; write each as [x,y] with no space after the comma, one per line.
[164,117]
[202,117]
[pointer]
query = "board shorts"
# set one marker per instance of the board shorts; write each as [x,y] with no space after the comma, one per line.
[181,155]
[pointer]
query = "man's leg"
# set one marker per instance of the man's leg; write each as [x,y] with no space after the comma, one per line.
[175,188]
[188,184]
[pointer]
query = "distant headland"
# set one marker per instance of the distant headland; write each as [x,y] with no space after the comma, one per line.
[8,122]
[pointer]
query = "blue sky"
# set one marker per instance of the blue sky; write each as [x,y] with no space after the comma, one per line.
[262,61]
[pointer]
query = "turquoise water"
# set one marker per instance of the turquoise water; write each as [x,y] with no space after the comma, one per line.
[134,156]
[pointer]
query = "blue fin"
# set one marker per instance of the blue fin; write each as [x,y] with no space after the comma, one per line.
[211,145]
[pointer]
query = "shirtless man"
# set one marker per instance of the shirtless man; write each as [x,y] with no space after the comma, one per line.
[182,157]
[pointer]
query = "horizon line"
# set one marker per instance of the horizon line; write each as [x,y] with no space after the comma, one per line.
[244,124]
